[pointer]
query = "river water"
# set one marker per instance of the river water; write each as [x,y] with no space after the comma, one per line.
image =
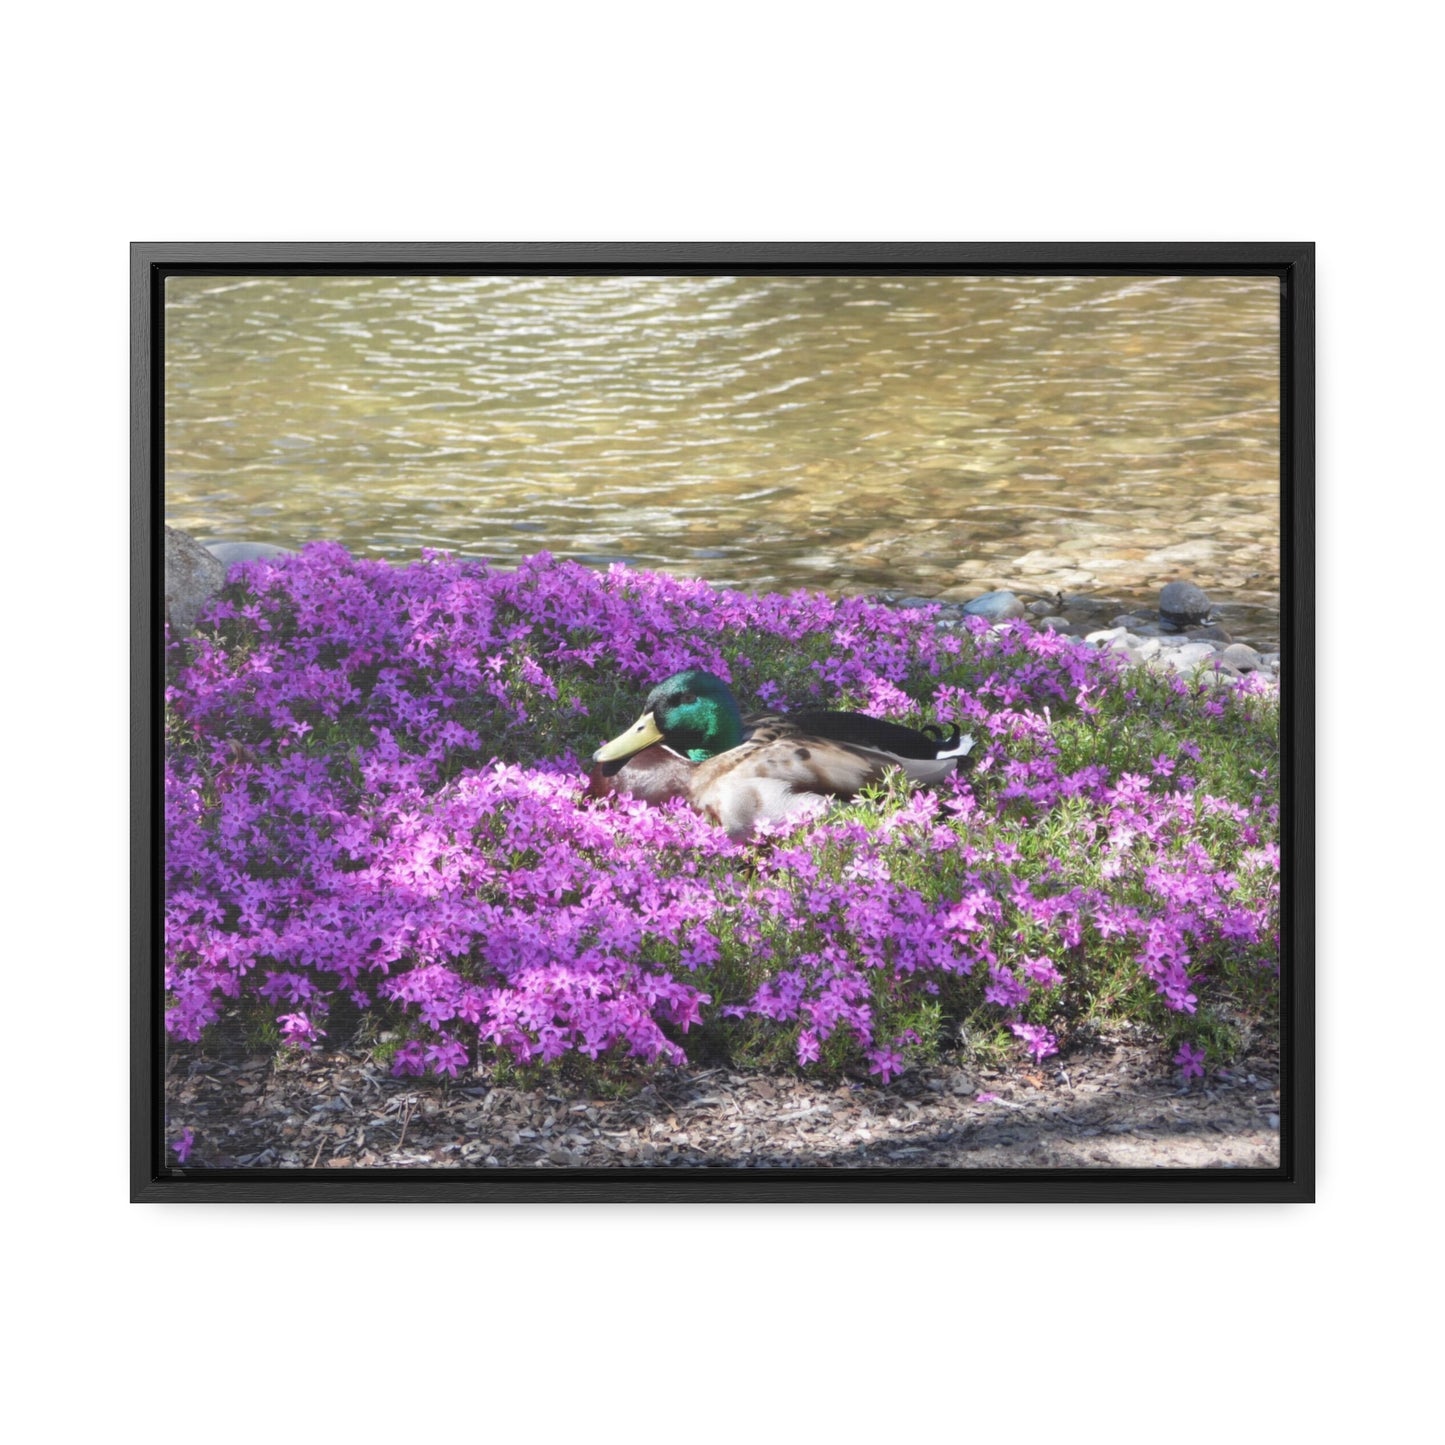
[937,436]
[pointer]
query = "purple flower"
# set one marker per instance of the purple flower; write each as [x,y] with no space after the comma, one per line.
[410,1058]
[182,1146]
[1042,970]
[1190,1061]
[447,1057]
[1039,1042]
[298,1030]
[1004,989]
[885,1063]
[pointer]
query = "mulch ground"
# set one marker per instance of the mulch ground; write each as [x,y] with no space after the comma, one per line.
[1107,1104]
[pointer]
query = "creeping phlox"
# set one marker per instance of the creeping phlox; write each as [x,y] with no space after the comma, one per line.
[373,793]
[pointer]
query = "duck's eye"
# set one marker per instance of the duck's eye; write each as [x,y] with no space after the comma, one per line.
[686,698]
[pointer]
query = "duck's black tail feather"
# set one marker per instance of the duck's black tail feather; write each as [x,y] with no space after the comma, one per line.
[871,732]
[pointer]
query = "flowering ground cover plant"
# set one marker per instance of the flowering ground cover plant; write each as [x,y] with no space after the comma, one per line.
[374,820]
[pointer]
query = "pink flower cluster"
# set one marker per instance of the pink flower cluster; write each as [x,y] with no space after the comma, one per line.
[373,790]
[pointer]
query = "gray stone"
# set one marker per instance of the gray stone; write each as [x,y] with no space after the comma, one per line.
[230,552]
[995,606]
[1188,657]
[1055,624]
[1218,674]
[1112,639]
[193,577]
[1130,621]
[1182,603]
[1241,656]
[1213,633]
[1041,609]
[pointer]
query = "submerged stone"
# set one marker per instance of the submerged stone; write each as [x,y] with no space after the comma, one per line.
[229,552]
[995,606]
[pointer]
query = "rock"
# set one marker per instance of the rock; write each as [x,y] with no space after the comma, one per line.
[1188,657]
[1241,656]
[995,606]
[909,602]
[1182,603]
[193,577]
[1219,674]
[1130,621]
[230,552]
[1041,609]
[1213,633]
[1055,624]
[1112,639]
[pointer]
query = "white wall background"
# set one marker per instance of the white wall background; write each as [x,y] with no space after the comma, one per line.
[1108,121]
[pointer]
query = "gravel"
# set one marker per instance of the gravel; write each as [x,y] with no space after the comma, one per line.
[1106,1103]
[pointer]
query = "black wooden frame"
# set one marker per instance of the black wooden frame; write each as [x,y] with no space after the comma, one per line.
[1293,263]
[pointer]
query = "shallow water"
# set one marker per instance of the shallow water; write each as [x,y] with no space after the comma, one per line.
[932,435]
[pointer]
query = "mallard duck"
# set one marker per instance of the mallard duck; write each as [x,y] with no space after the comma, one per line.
[692,742]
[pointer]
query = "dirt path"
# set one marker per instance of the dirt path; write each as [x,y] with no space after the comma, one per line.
[1111,1105]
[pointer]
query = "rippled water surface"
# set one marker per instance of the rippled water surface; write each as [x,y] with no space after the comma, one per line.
[935,435]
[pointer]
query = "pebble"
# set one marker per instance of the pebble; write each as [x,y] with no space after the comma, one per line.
[1178,642]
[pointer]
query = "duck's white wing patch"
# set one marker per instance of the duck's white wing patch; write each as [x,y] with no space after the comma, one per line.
[961,749]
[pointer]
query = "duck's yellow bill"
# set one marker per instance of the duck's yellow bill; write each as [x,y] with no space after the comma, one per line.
[642,734]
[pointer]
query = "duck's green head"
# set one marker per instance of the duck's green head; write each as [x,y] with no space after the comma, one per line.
[692,712]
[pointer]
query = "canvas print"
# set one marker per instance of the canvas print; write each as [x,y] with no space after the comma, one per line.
[735,722]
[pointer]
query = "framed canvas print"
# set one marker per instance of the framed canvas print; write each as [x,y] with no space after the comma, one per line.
[668,722]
